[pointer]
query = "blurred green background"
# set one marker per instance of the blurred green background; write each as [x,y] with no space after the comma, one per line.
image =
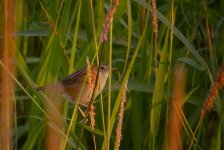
[55,37]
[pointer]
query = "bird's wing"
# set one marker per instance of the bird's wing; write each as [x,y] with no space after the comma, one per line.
[75,78]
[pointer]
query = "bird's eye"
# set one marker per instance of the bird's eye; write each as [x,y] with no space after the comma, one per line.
[102,68]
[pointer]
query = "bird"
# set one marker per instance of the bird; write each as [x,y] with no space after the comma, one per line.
[78,87]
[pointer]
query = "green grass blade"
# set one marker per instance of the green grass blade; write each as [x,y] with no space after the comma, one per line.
[158,91]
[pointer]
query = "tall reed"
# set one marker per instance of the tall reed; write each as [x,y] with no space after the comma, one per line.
[7,83]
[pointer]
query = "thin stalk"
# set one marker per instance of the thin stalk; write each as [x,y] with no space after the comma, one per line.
[109,90]
[75,38]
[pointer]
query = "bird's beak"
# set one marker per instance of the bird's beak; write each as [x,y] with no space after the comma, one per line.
[114,69]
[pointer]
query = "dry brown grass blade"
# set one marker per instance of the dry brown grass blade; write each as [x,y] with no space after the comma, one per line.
[54,138]
[51,23]
[174,131]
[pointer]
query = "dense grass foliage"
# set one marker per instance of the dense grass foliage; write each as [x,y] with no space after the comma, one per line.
[54,38]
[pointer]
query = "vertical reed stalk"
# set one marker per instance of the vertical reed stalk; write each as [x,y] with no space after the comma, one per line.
[54,138]
[174,131]
[7,84]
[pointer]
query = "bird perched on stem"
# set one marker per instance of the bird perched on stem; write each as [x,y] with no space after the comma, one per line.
[78,86]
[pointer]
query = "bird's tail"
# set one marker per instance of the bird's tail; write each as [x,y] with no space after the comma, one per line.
[48,87]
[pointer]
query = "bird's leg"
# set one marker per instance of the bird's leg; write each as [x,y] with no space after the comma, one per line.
[84,120]
[83,114]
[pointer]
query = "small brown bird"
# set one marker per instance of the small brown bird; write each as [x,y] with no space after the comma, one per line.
[78,87]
